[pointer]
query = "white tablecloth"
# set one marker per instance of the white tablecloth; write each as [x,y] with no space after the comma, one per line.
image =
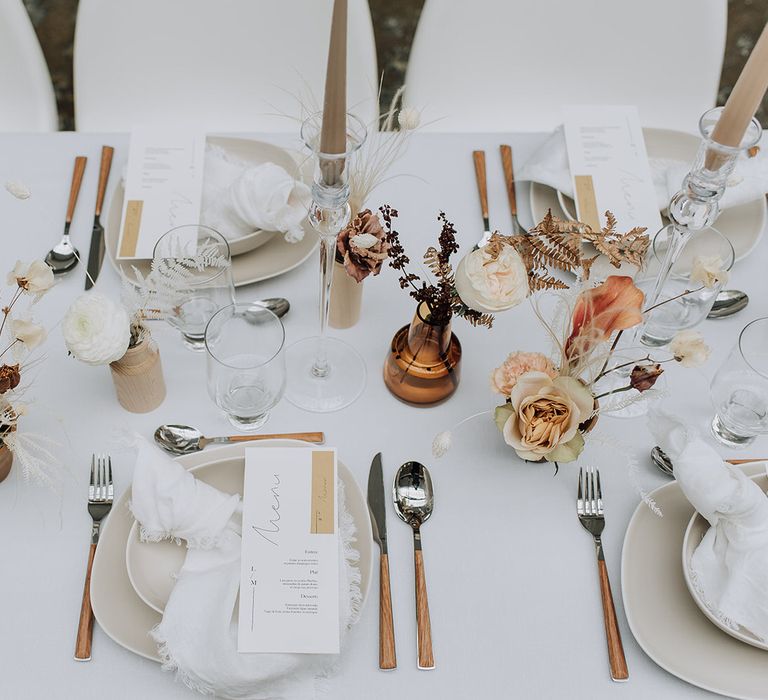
[512,579]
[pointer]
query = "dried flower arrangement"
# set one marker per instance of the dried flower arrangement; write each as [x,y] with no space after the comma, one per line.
[551,403]
[19,335]
[440,296]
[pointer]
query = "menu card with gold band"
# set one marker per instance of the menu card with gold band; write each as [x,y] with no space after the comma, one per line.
[289,584]
[163,188]
[609,166]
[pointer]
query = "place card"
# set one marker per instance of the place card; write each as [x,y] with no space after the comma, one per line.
[609,167]
[163,188]
[289,583]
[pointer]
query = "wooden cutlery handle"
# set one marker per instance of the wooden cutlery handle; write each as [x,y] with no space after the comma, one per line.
[307,437]
[77,179]
[106,163]
[509,176]
[482,186]
[85,625]
[387,656]
[423,626]
[736,462]
[618,662]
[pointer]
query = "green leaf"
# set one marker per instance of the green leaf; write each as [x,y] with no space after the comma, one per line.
[567,452]
[502,414]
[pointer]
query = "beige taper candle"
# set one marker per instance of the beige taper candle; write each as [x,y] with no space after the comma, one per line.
[333,134]
[746,97]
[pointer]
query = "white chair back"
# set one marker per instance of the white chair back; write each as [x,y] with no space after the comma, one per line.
[218,65]
[27,102]
[510,65]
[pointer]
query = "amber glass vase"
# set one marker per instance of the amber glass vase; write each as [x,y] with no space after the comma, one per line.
[424,362]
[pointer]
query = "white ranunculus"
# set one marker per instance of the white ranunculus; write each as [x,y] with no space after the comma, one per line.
[490,284]
[689,348]
[31,334]
[709,270]
[35,277]
[96,330]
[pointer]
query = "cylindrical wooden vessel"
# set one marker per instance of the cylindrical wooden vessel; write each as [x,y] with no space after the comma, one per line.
[6,461]
[138,378]
[346,298]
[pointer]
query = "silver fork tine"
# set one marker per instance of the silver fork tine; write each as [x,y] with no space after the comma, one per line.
[110,483]
[580,494]
[92,484]
[103,478]
[590,491]
[599,494]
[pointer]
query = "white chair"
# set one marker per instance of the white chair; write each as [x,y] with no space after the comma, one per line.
[510,65]
[27,102]
[218,65]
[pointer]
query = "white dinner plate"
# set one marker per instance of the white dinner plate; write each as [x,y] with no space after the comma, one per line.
[663,617]
[119,609]
[275,257]
[697,528]
[743,225]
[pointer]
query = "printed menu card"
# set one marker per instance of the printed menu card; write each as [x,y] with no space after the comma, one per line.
[289,580]
[609,167]
[163,188]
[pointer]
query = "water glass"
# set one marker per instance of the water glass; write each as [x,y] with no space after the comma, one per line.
[739,389]
[196,268]
[245,363]
[690,310]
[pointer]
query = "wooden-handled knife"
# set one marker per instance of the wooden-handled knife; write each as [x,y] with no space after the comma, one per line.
[96,253]
[377,506]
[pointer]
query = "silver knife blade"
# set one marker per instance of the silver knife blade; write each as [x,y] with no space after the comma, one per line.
[377,503]
[95,255]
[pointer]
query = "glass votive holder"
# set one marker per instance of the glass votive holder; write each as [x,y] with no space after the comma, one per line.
[739,389]
[679,310]
[245,357]
[196,268]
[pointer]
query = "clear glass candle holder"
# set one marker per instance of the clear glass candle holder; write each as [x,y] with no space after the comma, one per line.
[197,271]
[739,389]
[680,310]
[245,356]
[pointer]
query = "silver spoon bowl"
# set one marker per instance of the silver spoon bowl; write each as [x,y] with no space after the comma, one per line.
[728,302]
[662,461]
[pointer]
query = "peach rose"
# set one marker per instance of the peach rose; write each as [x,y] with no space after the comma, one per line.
[504,378]
[543,416]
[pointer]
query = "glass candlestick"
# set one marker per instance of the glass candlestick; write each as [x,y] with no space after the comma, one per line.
[697,205]
[326,374]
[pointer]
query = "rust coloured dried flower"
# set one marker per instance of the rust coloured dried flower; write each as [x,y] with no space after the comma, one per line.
[363,246]
[643,377]
[9,377]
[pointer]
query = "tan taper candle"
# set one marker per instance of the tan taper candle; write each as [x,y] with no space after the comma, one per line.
[333,134]
[746,96]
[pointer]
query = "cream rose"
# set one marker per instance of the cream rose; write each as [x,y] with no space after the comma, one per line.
[709,270]
[543,416]
[28,333]
[35,277]
[689,348]
[96,330]
[490,283]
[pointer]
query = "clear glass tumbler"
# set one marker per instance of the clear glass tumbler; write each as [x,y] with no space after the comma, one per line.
[245,363]
[739,389]
[196,273]
[677,314]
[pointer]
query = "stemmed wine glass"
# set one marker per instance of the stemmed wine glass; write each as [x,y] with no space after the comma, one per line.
[326,374]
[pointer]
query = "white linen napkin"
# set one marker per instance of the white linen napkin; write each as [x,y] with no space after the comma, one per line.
[197,637]
[549,166]
[238,199]
[730,566]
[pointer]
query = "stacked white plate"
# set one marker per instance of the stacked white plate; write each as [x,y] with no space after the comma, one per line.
[127,606]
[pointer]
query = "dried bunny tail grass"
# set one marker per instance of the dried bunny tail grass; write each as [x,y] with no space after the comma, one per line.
[558,328]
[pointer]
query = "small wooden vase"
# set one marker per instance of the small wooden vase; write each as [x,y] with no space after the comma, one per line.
[346,298]
[424,362]
[138,378]
[6,461]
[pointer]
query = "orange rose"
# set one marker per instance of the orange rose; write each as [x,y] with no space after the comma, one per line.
[614,305]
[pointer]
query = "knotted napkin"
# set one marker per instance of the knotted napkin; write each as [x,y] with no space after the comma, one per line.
[197,637]
[730,566]
[549,166]
[238,199]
